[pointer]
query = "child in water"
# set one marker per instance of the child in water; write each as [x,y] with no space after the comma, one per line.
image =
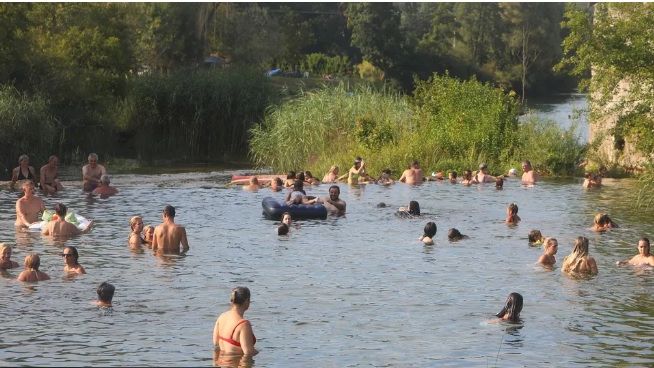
[550,247]
[428,233]
[512,217]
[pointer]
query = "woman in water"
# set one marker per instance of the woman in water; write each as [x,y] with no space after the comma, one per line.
[290,179]
[550,247]
[24,171]
[5,257]
[135,240]
[579,261]
[535,237]
[454,235]
[385,178]
[31,272]
[71,263]
[512,217]
[331,176]
[603,222]
[467,178]
[428,233]
[232,334]
[309,179]
[411,211]
[358,169]
[512,308]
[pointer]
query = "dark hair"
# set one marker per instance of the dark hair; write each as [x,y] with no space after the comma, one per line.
[337,187]
[499,183]
[282,229]
[454,234]
[60,209]
[513,209]
[290,175]
[300,176]
[387,171]
[106,292]
[414,208]
[454,174]
[512,308]
[298,185]
[430,229]
[239,295]
[534,236]
[73,250]
[308,174]
[169,211]
[415,163]
[278,181]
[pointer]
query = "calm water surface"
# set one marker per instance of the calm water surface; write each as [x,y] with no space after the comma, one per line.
[356,291]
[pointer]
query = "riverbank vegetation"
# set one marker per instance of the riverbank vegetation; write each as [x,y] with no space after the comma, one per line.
[448,124]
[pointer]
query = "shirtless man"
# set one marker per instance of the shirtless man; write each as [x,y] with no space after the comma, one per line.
[482,175]
[333,204]
[92,173]
[529,176]
[643,258]
[49,176]
[60,227]
[412,175]
[28,207]
[105,190]
[168,236]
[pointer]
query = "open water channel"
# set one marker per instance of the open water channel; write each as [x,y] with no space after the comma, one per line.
[354,291]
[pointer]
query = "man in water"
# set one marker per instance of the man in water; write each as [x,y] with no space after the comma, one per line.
[92,173]
[333,204]
[105,190]
[28,207]
[49,172]
[168,236]
[643,258]
[412,175]
[60,227]
[529,176]
[105,295]
[483,176]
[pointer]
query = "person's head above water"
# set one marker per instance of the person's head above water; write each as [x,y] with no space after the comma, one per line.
[512,209]
[357,161]
[32,261]
[499,183]
[104,179]
[60,209]
[430,230]
[300,176]
[169,211]
[454,235]
[282,229]
[512,308]
[298,185]
[290,175]
[240,296]
[106,292]
[535,236]
[414,208]
[334,192]
[644,246]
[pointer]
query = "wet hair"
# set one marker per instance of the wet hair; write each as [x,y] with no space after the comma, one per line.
[301,176]
[92,156]
[73,250]
[282,229]
[547,242]
[454,235]
[453,173]
[381,205]
[60,209]
[298,185]
[467,174]
[430,230]
[32,261]
[4,246]
[23,157]
[512,308]
[579,252]
[414,208]
[534,236]
[133,221]
[499,183]
[105,179]
[513,209]
[278,181]
[239,295]
[308,174]
[290,175]
[169,211]
[643,239]
[106,292]
[286,213]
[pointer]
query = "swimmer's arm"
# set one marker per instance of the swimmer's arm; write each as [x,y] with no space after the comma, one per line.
[403,177]
[342,177]
[623,262]
[247,340]
[46,229]
[215,335]
[155,244]
[185,246]
[14,174]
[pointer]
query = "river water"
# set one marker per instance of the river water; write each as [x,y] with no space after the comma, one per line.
[354,291]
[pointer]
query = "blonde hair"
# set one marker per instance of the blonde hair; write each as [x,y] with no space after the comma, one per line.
[572,262]
[145,229]
[33,261]
[4,246]
[333,168]
[549,241]
[133,220]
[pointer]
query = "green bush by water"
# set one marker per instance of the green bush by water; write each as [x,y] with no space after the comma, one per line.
[447,125]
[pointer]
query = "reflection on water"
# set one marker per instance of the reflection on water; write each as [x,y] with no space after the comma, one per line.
[359,290]
[231,361]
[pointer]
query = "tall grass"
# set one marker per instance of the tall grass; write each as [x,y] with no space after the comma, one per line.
[26,126]
[198,114]
[447,125]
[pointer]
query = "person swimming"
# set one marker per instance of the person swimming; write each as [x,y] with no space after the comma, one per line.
[535,237]
[550,248]
[603,222]
[579,261]
[282,229]
[454,235]
[411,211]
[512,308]
[105,295]
[512,217]
[428,233]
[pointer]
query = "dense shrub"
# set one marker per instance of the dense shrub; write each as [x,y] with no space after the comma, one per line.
[321,64]
[26,126]
[198,114]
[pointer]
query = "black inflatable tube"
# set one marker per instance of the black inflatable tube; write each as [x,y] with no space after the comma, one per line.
[273,210]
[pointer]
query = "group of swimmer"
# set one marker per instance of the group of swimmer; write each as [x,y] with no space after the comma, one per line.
[233,334]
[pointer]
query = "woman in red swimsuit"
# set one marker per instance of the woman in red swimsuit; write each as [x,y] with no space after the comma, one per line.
[232,334]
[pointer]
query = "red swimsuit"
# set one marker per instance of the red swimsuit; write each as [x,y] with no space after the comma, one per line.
[229,339]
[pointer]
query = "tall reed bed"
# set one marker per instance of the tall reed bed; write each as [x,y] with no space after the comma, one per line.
[26,126]
[198,114]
